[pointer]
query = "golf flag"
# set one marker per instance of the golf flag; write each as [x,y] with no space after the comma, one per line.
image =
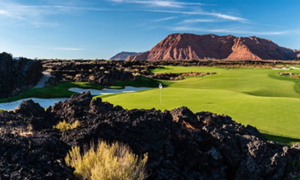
[160,87]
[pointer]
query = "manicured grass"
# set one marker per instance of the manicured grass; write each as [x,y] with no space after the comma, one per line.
[282,140]
[142,82]
[255,96]
[259,97]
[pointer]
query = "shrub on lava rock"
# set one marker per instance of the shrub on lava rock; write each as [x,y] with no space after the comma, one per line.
[107,162]
[64,126]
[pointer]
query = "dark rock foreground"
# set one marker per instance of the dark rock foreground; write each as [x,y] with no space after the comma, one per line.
[179,143]
[17,76]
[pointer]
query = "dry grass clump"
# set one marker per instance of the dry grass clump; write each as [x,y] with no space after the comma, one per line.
[20,131]
[64,126]
[107,162]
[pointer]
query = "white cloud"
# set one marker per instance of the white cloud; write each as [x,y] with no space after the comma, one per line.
[67,49]
[36,15]
[164,19]
[218,15]
[224,16]
[230,30]
[199,20]
[2,12]
[158,3]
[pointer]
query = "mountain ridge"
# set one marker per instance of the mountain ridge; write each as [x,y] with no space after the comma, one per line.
[123,55]
[187,46]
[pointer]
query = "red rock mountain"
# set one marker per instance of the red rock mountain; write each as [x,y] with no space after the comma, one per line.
[185,46]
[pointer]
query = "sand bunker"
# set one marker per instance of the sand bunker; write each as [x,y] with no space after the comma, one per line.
[96,92]
[49,102]
[43,102]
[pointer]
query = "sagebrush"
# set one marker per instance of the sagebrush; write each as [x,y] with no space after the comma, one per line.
[107,162]
[64,126]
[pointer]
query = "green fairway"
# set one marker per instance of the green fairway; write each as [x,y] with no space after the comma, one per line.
[59,91]
[259,97]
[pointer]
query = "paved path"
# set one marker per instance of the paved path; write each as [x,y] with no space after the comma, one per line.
[43,81]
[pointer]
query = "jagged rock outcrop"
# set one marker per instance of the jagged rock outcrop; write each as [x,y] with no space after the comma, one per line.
[180,144]
[17,76]
[185,46]
[122,55]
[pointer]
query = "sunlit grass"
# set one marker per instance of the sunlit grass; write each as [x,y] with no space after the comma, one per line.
[64,126]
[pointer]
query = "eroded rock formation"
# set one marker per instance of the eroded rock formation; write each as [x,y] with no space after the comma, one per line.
[185,46]
[17,76]
[180,144]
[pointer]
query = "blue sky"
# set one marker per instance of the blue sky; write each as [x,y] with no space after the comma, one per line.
[92,29]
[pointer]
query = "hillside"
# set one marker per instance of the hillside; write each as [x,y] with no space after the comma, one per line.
[185,46]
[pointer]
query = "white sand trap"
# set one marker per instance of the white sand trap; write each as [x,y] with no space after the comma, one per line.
[43,80]
[290,68]
[49,102]
[96,92]
[294,68]
[43,102]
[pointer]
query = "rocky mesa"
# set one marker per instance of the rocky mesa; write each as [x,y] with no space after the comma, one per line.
[184,46]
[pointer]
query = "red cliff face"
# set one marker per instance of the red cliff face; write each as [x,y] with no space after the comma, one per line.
[197,47]
[253,48]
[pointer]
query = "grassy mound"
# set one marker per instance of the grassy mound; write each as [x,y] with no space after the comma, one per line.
[107,162]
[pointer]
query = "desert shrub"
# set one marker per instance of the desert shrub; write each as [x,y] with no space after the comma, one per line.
[107,162]
[64,126]
[20,131]
[92,78]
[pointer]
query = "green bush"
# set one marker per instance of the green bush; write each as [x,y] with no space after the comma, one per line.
[107,162]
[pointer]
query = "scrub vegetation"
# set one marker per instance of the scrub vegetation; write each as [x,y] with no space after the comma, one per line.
[64,126]
[107,162]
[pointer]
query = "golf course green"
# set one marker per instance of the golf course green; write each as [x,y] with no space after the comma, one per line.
[255,96]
